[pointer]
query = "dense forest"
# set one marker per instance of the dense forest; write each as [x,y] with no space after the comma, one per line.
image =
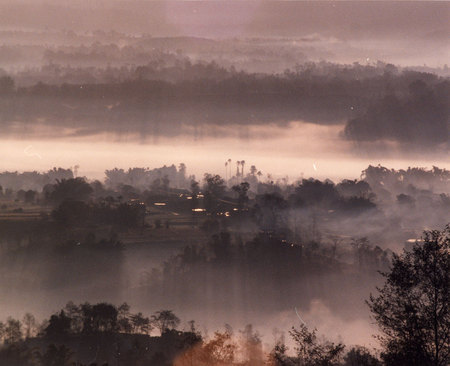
[167,97]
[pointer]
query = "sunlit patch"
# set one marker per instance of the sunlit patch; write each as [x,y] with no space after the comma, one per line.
[198,19]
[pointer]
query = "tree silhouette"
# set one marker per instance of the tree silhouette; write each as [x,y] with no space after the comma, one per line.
[140,324]
[123,318]
[242,192]
[221,350]
[76,189]
[165,320]
[214,190]
[412,309]
[360,356]
[71,213]
[270,211]
[30,196]
[58,326]
[252,346]
[29,323]
[311,352]
[104,317]
[12,331]
[2,331]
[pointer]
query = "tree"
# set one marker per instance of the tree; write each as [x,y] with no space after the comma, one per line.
[75,313]
[75,189]
[214,189]
[2,331]
[130,215]
[123,318]
[311,352]
[242,166]
[270,211]
[140,324]
[412,309]
[30,196]
[165,320]
[360,356]
[104,317]
[12,331]
[221,350]
[58,326]
[252,346]
[181,175]
[195,190]
[242,193]
[29,323]
[70,213]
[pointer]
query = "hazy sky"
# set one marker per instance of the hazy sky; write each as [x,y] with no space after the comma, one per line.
[343,19]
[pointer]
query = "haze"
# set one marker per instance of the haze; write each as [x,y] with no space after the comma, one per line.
[234,161]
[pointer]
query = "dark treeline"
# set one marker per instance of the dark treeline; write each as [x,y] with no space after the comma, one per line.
[135,177]
[103,334]
[89,52]
[32,180]
[95,334]
[379,102]
[411,310]
[176,67]
[301,209]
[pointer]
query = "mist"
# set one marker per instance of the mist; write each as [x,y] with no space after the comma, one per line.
[251,166]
